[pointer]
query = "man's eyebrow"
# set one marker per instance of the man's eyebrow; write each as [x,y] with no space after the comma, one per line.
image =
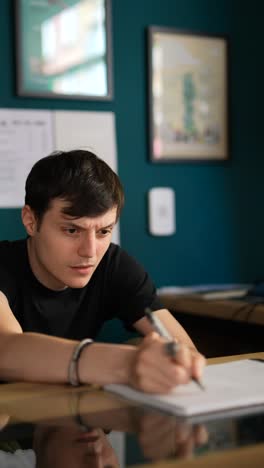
[108,225]
[71,222]
[67,217]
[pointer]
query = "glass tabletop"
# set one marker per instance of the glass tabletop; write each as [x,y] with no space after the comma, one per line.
[120,437]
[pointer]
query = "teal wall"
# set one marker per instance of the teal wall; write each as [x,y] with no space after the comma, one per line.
[220,227]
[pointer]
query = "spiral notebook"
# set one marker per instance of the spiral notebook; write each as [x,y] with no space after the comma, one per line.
[229,386]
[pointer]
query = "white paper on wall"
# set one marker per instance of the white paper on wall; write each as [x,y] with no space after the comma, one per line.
[28,135]
[25,137]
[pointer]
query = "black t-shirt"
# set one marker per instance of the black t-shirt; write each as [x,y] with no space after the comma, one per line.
[119,288]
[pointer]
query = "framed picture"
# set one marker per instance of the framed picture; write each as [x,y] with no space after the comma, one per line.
[64,49]
[188,96]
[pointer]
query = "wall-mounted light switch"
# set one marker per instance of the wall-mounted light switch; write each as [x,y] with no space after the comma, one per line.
[161,204]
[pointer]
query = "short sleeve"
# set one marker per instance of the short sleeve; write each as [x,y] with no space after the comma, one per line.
[131,289]
[7,285]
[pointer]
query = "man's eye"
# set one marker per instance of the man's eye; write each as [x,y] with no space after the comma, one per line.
[71,230]
[104,232]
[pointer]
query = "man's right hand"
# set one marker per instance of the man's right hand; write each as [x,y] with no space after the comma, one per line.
[153,371]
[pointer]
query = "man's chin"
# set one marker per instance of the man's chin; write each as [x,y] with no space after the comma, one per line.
[79,282]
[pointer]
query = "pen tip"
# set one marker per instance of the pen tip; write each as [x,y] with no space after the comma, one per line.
[201,385]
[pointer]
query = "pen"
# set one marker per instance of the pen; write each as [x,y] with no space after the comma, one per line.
[172,345]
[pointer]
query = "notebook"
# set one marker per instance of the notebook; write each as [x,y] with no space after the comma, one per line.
[229,386]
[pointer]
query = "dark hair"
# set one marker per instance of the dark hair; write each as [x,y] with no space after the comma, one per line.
[79,177]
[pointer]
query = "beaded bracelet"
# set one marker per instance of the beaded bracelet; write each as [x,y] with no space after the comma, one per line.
[73,371]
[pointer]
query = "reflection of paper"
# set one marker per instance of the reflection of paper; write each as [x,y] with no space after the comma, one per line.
[118,442]
[19,459]
[25,137]
[94,131]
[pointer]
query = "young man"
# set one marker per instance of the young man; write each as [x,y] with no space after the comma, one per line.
[66,279]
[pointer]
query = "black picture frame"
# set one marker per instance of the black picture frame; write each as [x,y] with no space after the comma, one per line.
[78,65]
[188,95]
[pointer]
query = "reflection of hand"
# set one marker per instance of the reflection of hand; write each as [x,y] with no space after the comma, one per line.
[161,436]
[153,371]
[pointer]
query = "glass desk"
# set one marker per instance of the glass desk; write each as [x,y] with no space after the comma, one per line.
[48,426]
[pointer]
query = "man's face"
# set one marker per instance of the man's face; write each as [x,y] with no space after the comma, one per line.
[69,447]
[65,251]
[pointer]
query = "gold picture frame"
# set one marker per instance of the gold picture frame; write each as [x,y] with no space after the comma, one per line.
[188,96]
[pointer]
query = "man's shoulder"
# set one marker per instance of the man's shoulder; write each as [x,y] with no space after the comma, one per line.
[12,251]
[115,253]
[113,250]
[12,258]
[118,259]
[12,246]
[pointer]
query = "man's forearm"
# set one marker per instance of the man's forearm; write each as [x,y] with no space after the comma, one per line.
[41,358]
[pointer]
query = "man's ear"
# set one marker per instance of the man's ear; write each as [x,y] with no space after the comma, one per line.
[29,220]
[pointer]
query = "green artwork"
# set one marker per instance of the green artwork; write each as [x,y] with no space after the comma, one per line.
[189,97]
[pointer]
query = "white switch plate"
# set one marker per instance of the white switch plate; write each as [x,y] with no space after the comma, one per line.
[161,204]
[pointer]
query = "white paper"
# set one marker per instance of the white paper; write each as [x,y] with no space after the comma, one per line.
[230,385]
[28,135]
[204,288]
[93,131]
[25,137]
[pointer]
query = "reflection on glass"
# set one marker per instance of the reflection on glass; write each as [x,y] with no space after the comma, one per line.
[64,48]
[70,447]
[115,437]
[59,446]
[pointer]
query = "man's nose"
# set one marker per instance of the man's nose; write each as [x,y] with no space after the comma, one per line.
[87,246]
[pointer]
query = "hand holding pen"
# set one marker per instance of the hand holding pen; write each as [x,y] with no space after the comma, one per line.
[172,346]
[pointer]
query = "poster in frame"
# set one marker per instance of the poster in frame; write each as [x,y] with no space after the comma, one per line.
[64,49]
[188,96]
